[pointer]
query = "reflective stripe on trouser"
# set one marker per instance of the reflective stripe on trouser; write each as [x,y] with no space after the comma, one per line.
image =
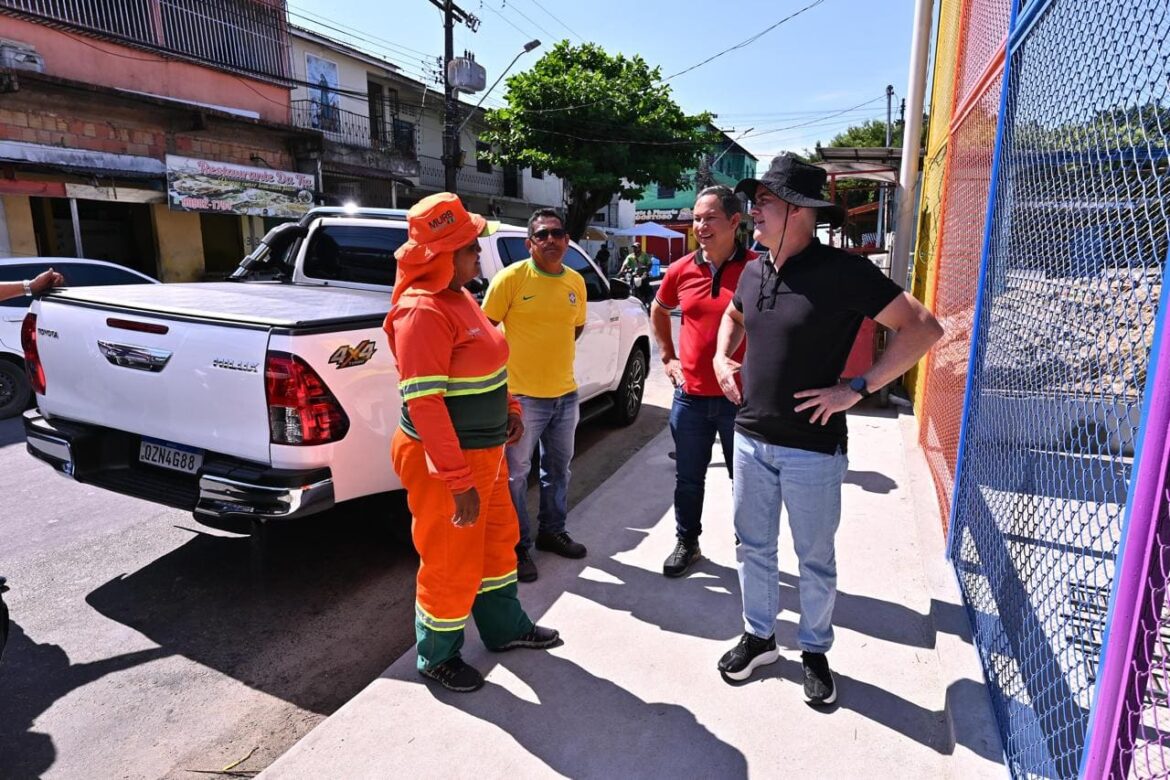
[468,571]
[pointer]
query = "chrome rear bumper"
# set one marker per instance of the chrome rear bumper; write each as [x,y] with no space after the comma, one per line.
[225,487]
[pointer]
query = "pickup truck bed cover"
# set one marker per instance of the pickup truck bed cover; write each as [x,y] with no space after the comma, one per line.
[272,305]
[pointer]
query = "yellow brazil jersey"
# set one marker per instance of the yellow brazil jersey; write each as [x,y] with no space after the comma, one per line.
[539,312]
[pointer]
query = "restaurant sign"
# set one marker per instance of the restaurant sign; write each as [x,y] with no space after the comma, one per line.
[663,215]
[225,188]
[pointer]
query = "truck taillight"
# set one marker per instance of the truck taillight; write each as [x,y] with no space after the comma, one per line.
[32,357]
[301,409]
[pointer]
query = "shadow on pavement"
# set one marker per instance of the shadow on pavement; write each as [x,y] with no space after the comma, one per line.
[882,619]
[311,621]
[11,431]
[32,678]
[586,726]
[871,481]
[705,603]
[924,726]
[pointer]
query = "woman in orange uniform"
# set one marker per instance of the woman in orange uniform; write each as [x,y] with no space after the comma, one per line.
[448,451]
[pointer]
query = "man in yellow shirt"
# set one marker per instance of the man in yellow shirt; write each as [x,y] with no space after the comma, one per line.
[541,304]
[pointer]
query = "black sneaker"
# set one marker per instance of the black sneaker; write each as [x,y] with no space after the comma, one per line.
[685,553]
[739,662]
[538,638]
[560,543]
[525,566]
[455,675]
[819,687]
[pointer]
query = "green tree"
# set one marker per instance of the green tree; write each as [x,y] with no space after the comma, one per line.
[605,124]
[871,133]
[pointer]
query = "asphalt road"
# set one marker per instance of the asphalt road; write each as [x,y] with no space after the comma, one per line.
[144,645]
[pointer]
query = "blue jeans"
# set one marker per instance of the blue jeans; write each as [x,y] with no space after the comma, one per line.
[694,422]
[552,422]
[809,485]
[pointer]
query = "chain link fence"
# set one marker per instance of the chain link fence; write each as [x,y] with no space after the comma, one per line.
[1049,437]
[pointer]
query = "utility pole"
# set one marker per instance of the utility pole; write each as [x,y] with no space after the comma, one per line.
[882,196]
[907,202]
[451,151]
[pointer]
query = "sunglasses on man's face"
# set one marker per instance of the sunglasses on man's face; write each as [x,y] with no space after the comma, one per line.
[557,233]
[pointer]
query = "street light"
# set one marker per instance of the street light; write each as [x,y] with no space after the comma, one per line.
[527,48]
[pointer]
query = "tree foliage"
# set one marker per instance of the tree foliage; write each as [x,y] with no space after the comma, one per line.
[605,124]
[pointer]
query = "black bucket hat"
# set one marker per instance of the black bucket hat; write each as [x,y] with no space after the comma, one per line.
[797,183]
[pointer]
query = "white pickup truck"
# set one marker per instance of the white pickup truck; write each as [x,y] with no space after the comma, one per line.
[273,395]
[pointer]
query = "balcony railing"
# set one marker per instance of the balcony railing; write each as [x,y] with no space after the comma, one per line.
[248,36]
[506,183]
[392,135]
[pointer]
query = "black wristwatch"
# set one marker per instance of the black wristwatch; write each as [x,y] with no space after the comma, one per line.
[858,385]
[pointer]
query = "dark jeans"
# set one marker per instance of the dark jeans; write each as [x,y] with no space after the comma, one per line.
[694,422]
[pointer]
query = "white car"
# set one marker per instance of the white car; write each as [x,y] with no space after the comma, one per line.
[15,393]
[247,401]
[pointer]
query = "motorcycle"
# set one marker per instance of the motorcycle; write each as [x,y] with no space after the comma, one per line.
[639,283]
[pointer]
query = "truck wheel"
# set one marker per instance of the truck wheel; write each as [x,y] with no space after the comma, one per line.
[628,397]
[15,392]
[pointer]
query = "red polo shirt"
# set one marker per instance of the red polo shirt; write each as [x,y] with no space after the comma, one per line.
[703,293]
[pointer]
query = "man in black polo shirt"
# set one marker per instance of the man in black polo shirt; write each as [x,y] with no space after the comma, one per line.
[800,307]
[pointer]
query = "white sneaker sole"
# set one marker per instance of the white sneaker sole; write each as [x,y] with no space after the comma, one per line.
[763,659]
[832,697]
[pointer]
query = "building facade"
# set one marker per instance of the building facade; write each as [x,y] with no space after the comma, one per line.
[383,135]
[725,163]
[146,134]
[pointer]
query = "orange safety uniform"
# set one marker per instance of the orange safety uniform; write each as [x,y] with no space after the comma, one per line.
[453,382]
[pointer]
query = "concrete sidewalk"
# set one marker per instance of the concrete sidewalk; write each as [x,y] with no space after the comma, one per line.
[634,692]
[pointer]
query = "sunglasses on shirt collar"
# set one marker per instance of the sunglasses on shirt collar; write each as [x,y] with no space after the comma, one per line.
[543,234]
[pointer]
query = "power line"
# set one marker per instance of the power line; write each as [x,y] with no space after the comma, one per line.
[557,19]
[666,80]
[420,70]
[532,21]
[526,35]
[625,141]
[805,124]
[362,34]
[746,41]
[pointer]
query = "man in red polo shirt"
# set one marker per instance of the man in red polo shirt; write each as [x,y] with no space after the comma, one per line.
[702,283]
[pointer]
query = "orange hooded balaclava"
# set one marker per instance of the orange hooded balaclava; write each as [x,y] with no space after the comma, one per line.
[437,226]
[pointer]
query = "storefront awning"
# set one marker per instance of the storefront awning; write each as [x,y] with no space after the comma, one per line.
[81,159]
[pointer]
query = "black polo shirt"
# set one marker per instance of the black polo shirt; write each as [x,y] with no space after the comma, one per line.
[801,323]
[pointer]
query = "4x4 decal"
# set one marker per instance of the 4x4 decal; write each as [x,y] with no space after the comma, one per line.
[346,356]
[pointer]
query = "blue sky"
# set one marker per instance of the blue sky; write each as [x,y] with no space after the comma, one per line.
[829,58]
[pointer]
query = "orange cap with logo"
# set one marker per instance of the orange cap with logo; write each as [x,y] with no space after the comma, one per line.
[437,226]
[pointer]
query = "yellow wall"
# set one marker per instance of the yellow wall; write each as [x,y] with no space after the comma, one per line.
[180,244]
[18,215]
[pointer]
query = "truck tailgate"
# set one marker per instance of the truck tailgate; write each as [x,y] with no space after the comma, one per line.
[184,381]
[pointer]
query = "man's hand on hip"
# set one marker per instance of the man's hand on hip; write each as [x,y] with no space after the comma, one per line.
[725,371]
[674,372]
[827,401]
